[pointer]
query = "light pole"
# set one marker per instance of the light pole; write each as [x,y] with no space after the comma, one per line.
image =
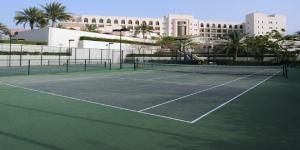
[10,41]
[70,51]
[109,50]
[120,30]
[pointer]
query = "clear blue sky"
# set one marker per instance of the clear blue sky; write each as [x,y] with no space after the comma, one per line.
[225,10]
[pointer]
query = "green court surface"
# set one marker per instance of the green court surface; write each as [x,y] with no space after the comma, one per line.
[149,110]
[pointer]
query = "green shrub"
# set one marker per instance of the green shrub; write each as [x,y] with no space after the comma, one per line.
[115,41]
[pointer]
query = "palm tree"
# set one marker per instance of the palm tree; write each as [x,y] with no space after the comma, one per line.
[234,43]
[91,28]
[56,12]
[31,15]
[4,29]
[297,35]
[166,42]
[144,29]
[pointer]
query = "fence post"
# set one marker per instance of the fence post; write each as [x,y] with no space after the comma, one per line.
[59,56]
[89,56]
[21,55]
[48,62]
[101,56]
[85,65]
[28,69]
[75,55]
[67,66]
[42,55]
[104,64]
[110,64]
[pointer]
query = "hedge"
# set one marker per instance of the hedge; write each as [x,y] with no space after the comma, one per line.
[115,41]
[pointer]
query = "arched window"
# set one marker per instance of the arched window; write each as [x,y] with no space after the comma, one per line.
[235,26]
[86,20]
[144,23]
[130,22]
[202,25]
[93,20]
[150,23]
[157,23]
[224,26]
[213,25]
[241,26]
[207,25]
[219,25]
[100,20]
[116,21]
[230,26]
[123,22]
[137,22]
[108,21]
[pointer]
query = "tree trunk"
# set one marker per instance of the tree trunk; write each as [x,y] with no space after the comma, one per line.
[31,26]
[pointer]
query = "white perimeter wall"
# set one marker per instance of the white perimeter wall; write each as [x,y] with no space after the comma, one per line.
[60,37]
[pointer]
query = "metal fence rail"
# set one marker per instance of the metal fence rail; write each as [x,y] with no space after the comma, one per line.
[37,66]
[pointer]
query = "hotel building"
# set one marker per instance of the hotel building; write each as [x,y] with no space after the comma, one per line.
[182,25]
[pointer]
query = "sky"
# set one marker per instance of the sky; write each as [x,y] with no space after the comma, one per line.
[218,10]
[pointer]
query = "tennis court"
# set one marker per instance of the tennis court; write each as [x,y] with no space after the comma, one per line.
[182,93]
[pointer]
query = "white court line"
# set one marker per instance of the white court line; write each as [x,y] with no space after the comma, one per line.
[182,97]
[251,88]
[87,101]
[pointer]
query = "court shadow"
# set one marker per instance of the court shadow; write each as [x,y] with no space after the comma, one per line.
[103,122]
[41,144]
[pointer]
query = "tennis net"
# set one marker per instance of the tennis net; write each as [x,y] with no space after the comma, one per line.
[213,69]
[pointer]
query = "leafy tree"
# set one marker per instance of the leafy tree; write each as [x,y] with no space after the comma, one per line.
[166,42]
[56,12]
[31,15]
[91,28]
[234,44]
[144,29]
[60,26]
[4,29]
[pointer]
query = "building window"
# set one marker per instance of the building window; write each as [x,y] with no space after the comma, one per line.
[235,26]
[93,20]
[219,25]
[137,22]
[108,21]
[116,21]
[202,25]
[86,20]
[230,26]
[224,26]
[150,23]
[157,23]
[100,20]
[207,25]
[213,25]
[123,22]
[144,23]
[157,28]
[130,22]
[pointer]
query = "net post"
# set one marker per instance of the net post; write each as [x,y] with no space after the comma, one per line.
[67,66]
[85,65]
[104,64]
[28,69]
